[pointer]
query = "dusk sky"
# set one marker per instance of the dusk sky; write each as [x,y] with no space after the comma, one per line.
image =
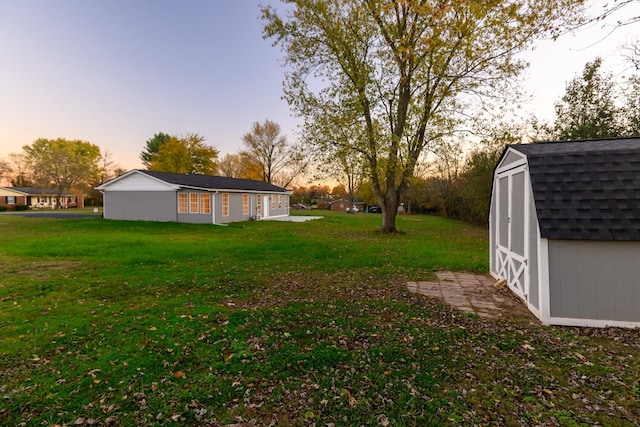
[116,72]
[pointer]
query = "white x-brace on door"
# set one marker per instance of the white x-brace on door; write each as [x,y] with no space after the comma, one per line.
[512,229]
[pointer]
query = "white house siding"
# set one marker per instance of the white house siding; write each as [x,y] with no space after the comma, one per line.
[140,205]
[137,182]
[594,280]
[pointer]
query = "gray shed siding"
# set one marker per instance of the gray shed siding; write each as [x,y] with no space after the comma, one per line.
[140,205]
[594,280]
[534,293]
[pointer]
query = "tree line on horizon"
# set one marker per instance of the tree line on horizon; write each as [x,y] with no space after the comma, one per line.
[404,102]
[79,166]
[452,181]
[266,155]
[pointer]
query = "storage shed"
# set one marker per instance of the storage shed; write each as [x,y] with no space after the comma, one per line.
[564,225]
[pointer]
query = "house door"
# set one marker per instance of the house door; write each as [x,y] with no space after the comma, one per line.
[266,205]
[512,230]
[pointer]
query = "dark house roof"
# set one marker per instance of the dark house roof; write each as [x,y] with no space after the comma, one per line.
[39,191]
[586,190]
[214,182]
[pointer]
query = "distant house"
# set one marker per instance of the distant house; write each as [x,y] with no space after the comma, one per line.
[193,198]
[300,206]
[37,198]
[565,230]
[345,205]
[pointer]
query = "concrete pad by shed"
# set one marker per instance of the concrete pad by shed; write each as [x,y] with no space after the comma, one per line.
[474,293]
[296,218]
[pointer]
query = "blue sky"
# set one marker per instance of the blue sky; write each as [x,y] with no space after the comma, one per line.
[115,72]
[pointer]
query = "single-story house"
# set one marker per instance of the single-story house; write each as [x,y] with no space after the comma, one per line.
[194,198]
[564,227]
[345,205]
[37,198]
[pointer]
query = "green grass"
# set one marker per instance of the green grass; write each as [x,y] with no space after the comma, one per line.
[132,323]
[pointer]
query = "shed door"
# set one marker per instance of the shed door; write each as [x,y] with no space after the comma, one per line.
[512,230]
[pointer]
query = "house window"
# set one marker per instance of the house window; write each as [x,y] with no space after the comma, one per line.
[193,203]
[205,203]
[286,201]
[245,204]
[259,204]
[273,202]
[11,200]
[182,203]
[225,204]
[279,201]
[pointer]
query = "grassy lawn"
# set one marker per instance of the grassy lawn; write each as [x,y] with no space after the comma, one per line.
[273,323]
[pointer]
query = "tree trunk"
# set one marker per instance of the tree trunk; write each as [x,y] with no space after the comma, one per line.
[389,211]
[389,205]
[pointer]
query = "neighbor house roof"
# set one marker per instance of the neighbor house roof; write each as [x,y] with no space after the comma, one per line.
[355,201]
[33,191]
[207,182]
[586,190]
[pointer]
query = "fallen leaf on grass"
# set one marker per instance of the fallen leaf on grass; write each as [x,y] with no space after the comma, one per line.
[352,400]
[383,420]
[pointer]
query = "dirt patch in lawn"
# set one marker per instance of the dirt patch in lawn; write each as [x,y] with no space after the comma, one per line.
[40,269]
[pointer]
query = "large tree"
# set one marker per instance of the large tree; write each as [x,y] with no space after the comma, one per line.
[230,166]
[152,148]
[5,170]
[403,68]
[610,10]
[276,161]
[62,164]
[107,169]
[588,107]
[631,109]
[20,173]
[188,154]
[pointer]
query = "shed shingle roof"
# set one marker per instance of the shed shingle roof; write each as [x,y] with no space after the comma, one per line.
[586,190]
[214,182]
